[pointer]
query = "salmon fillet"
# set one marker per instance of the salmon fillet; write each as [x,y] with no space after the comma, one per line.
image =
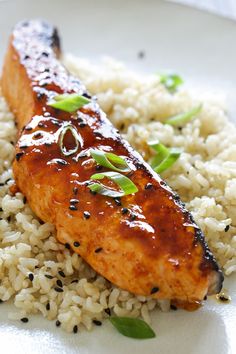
[145,242]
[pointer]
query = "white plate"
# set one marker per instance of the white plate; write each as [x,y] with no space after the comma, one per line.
[200,47]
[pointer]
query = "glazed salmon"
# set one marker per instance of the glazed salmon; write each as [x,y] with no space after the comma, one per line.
[145,242]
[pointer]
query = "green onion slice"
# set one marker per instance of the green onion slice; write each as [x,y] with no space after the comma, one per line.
[69,102]
[171,81]
[183,118]
[125,184]
[132,327]
[165,157]
[110,160]
[168,161]
[77,138]
[162,152]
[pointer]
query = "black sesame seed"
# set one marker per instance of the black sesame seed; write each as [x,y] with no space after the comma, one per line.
[67,245]
[75,329]
[2,184]
[73,207]
[205,298]
[45,54]
[173,307]
[23,146]
[224,298]
[28,128]
[59,283]
[38,135]
[132,217]
[61,273]
[108,311]
[74,201]
[87,95]
[48,276]
[18,155]
[99,249]
[26,57]
[86,214]
[1,301]
[74,281]
[24,319]
[75,190]
[92,192]
[12,143]
[76,244]
[24,200]
[61,162]
[117,201]
[82,125]
[59,290]
[98,167]
[148,186]
[227,228]
[154,290]
[7,180]
[55,122]
[1,209]
[124,210]
[31,276]
[40,95]
[97,323]
[58,323]
[48,306]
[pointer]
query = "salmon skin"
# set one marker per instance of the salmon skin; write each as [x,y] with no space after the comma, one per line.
[145,242]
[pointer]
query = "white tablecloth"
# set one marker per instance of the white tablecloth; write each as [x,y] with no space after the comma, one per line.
[225,8]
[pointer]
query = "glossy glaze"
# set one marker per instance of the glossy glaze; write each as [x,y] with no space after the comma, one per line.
[154,247]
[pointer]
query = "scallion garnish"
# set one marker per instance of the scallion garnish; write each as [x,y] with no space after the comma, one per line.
[69,102]
[77,138]
[171,81]
[124,183]
[110,160]
[183,118]
[165,157]
[132,327]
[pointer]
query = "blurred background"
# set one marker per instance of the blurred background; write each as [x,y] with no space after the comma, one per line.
[225,8]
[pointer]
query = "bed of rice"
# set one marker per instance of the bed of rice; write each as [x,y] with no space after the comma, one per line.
[33,263]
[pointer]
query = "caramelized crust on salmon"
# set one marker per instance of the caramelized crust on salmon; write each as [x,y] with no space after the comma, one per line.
[147,242]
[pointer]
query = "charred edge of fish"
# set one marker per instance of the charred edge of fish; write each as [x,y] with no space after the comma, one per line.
[208,260]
